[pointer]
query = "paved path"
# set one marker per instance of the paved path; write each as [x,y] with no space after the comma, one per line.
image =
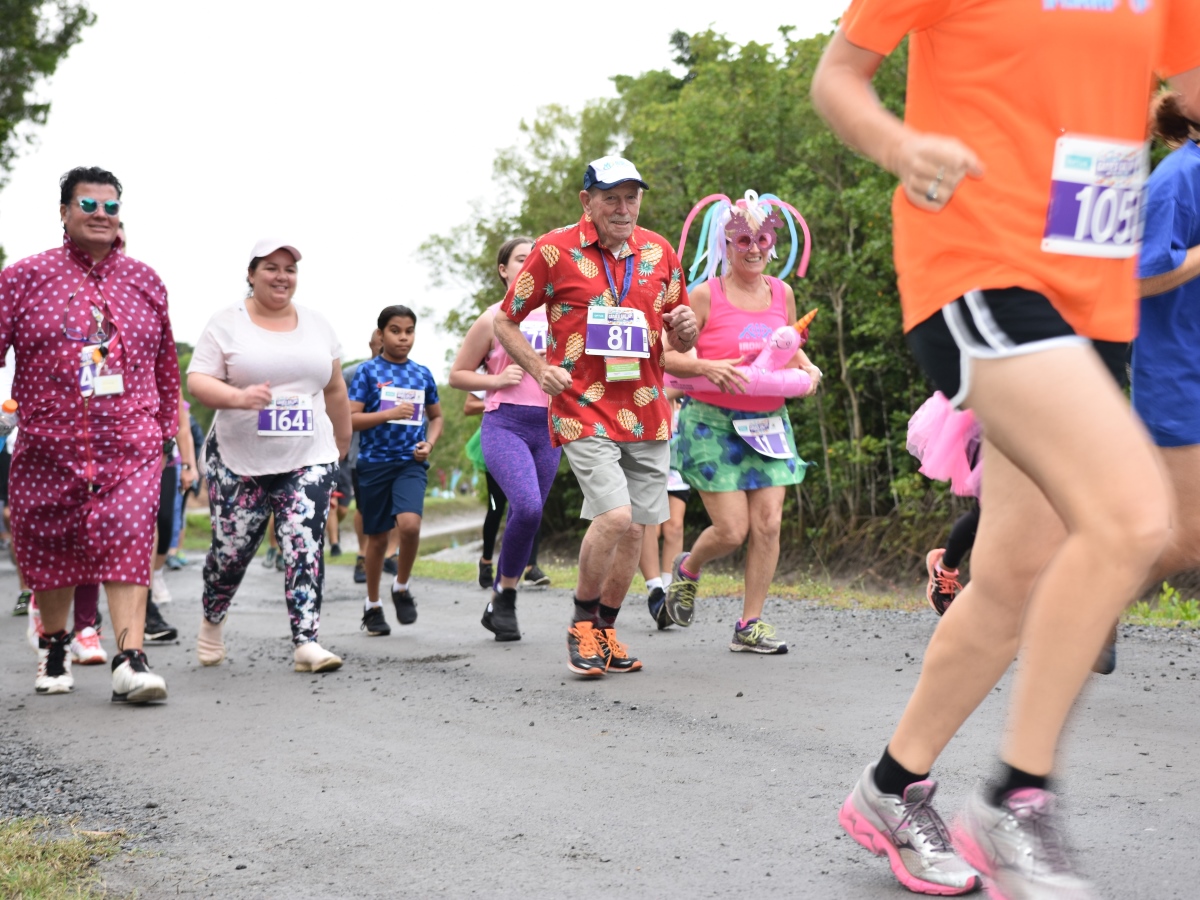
[440,763]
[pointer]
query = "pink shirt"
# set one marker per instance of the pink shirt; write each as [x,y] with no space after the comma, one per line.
[525,392]
[730,333]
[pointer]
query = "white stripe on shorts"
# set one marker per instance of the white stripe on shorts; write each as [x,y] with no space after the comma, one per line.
[999,345]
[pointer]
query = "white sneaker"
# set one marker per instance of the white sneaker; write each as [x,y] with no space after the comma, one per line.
[158,588]
[133,682]
[312,657]
[86,649]
[33,629]
[54,666]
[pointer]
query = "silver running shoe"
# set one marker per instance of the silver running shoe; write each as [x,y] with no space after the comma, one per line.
[911,833]
[1018,848]
[680,603]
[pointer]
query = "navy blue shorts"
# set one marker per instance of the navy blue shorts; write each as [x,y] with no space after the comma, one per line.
[386,489]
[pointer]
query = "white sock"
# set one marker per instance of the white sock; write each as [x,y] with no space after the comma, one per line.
[367,604]
[653,583]
[397,586]
[667,578]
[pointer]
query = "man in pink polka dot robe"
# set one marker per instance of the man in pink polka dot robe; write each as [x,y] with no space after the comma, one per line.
[97,381]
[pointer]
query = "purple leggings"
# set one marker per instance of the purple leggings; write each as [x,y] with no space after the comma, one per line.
[516,445]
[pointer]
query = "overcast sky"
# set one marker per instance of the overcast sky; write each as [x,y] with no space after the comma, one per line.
[354,132]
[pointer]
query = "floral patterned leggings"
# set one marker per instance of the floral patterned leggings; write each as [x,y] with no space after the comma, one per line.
[240,506]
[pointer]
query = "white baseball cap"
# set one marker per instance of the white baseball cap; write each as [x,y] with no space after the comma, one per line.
[267,246]
[609,171]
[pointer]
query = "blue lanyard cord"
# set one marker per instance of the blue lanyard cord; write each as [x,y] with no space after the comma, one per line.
[612,286]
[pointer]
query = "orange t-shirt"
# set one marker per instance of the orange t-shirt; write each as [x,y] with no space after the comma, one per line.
[1029,86]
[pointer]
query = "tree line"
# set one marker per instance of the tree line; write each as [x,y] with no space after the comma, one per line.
[730,118]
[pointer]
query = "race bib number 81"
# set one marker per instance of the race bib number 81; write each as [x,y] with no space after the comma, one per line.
[613,331]
[1096,197]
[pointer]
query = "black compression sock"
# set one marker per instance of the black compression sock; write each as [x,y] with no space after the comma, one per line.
[892,778]
[1014,780]
[587,610]
[608,615]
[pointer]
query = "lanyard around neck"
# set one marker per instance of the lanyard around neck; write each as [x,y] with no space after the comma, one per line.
[612,284]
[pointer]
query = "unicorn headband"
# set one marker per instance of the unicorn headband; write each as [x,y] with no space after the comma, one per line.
[750,218]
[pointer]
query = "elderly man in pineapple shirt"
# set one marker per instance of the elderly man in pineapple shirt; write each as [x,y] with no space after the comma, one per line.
[613,294]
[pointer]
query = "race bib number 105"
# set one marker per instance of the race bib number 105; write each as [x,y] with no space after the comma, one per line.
[1096,197]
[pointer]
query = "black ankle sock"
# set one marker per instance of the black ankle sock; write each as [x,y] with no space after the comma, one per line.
[1014,780]
[893,778]
[608,614]
[586,610]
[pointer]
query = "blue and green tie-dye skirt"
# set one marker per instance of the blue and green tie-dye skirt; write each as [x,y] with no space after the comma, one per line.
[711,456]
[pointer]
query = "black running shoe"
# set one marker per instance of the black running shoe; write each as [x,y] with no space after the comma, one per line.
[616,655]
[1106,662]
[374,624]
[584,656]
[335,549]
[535,577]
[406,606]
[487,575]
[360,570]
[391,566]
[156,628]
[500,617]
[657,601]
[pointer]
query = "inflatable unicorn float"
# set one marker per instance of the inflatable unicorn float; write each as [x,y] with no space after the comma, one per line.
[749,221]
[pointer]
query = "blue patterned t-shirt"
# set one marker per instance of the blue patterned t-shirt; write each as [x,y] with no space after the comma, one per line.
[389,442]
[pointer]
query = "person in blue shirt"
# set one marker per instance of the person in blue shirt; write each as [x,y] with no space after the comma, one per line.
[1166,354]
[394,404]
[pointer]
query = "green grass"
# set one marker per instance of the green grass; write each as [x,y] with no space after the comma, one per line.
[713,584]
[37,863]
[1167,609]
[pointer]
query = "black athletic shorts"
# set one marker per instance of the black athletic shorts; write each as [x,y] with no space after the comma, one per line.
[995,324]
[685,494]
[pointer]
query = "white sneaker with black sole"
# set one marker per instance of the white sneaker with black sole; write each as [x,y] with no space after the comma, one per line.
[133,682]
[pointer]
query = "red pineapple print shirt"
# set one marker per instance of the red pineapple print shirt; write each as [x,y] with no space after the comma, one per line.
[565,273]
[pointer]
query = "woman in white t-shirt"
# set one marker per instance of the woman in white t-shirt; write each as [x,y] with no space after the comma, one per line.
[272,370]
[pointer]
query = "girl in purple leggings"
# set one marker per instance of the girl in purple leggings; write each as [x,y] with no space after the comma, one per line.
[515,445]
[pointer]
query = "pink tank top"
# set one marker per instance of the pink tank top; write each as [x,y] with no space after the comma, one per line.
[730,333]
[525,392]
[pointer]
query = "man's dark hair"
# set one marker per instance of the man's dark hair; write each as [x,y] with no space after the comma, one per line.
[85,175]
[395,312]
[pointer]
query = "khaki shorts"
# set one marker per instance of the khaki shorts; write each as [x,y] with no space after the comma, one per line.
[613,474]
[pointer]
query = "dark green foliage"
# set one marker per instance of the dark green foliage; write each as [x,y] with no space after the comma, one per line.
[740,118]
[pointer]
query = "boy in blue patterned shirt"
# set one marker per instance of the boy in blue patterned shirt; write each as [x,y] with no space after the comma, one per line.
[394,403]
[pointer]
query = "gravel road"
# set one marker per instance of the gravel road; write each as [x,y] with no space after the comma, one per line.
[437,762]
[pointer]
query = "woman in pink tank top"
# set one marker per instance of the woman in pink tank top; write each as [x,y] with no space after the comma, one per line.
[736,449]
[515,447]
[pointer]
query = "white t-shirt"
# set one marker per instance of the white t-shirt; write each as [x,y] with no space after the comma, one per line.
[296,363]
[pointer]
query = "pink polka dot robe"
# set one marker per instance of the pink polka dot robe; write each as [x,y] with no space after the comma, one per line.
[84,482]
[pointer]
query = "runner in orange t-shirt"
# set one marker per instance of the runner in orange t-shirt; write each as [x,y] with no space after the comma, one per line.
[1017,221]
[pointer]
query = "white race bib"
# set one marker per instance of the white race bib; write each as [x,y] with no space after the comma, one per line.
[391,397]
[287,416]
[1096,192]
[616,331]
[766,435]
